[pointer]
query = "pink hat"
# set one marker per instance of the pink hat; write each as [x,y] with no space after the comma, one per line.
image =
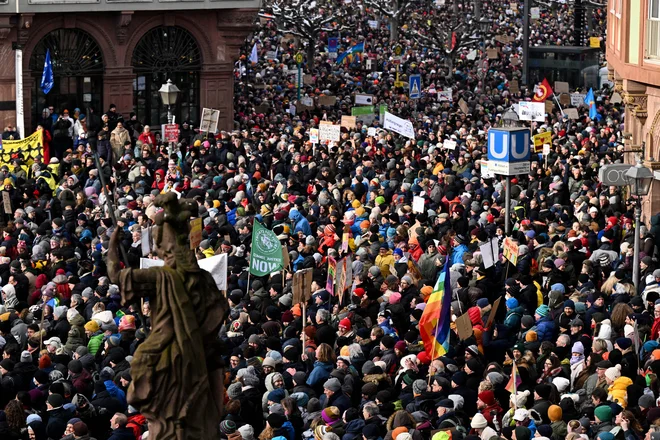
[395,297]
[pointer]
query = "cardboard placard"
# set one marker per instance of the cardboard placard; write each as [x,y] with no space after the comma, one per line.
[549,106]
[577,99]
[463,106]
[285,257]
[493,54]
[327,100]
[418,204]
[493,312]
[330,132]
[463,326]
[572,113]
[565,99]
[515,61]
[308,79]
[348,122]
[278,189]
[561,87]
[6,202]
[513,86]
[195,232]
[302,286]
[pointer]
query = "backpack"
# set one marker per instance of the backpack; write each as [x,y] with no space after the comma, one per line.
[138,424]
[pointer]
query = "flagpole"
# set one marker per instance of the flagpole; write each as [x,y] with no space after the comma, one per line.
[558,104]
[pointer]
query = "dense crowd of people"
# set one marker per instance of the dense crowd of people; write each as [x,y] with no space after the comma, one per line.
[575,337]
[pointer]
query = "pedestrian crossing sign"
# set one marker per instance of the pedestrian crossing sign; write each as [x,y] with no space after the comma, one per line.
[415,87]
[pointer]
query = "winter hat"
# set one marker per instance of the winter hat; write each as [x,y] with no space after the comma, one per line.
[419,386]
[247,432]
[646,401]
[227,427]
[523,433]
[613,373]
[80,429]
[332,384]
[554,413]
[543,390]
[542,310]
[276,395]
[276,420]
[520,398]
[321,430]
[26,356]
[511,303]
[561,383]
[345,323]
[578,348]
[604,413]
[400,430]
[370,431]
[478,421]
[495,378]
[623,343]
[330,415]
[234,390]
[92,326]
[487,397]
[531,336]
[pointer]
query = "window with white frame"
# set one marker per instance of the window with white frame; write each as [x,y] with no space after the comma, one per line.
[653,31]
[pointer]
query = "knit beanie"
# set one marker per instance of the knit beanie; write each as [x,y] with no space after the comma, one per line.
[247,432]
[399,430]
[330,415]
[604,413]
[542,310]
[554,413]
[487,397]
[234,390]
[613,373]
[419,386]
[478,421]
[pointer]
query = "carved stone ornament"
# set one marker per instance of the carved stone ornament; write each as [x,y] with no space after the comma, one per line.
[123,21]
[636,103]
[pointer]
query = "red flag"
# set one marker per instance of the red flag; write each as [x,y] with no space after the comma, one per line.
[543,92]
[453,40]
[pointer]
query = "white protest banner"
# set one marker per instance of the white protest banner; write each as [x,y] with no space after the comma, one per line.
[364,99]
[446,95]
[371,131]
[418,204]
[217,267]
[330,132]
[373,24]
[307,101]
[531,111]
[449,144]
[486,171]
[536,13]
[399,125]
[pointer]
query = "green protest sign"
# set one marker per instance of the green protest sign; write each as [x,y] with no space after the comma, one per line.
[364,110]
[266,252]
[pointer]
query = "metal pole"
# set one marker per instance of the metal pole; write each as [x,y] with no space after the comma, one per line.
[638,217]
[477,10]
[507,207]
[20,120]
[299,81]
[525,72]
[169,121]
[108,204]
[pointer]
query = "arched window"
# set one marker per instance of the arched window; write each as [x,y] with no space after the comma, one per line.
[163,53]
[78,68]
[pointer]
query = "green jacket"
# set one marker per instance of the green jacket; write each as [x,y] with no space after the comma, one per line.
[95,343]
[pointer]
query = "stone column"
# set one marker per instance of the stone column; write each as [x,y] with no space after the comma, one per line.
[118,90]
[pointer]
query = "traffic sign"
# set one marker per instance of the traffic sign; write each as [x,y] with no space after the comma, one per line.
[299,58]
[415,87]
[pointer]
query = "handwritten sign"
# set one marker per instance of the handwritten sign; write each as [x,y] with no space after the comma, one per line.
[540,139]
[330,132]
[510,250]
[348,122]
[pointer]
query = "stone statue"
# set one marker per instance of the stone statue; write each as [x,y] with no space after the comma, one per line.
[177,371]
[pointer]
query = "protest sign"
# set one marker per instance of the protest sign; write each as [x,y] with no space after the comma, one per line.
[348,122]
[531,111]
[510,250]
[266,251]
[398,125]
[446,95]
[330,132]
[540,139]
[561,87]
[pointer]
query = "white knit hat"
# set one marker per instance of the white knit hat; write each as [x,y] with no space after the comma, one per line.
[613,373]
[478,421]
[520,398]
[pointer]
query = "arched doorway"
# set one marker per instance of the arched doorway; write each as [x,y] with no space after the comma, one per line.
[78,68]
[166,52]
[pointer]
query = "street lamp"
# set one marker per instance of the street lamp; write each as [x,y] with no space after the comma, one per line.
[485,25]
[639,179]
[168,93]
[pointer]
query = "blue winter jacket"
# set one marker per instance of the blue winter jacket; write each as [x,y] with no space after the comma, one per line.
[545,329]
[320,373]
[301,223]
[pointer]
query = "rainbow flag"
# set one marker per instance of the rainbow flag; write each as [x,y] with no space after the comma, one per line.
[434,323]
[514,380]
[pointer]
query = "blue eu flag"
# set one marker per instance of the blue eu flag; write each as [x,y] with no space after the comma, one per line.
[47,79]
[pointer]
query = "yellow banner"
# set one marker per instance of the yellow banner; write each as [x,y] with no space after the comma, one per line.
[28,149]
[540,139]
[594,42]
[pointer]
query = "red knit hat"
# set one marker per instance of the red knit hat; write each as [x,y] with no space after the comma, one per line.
[359,292]
[487,397]
[346,323]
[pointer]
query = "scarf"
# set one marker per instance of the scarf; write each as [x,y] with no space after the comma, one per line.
[577,359]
